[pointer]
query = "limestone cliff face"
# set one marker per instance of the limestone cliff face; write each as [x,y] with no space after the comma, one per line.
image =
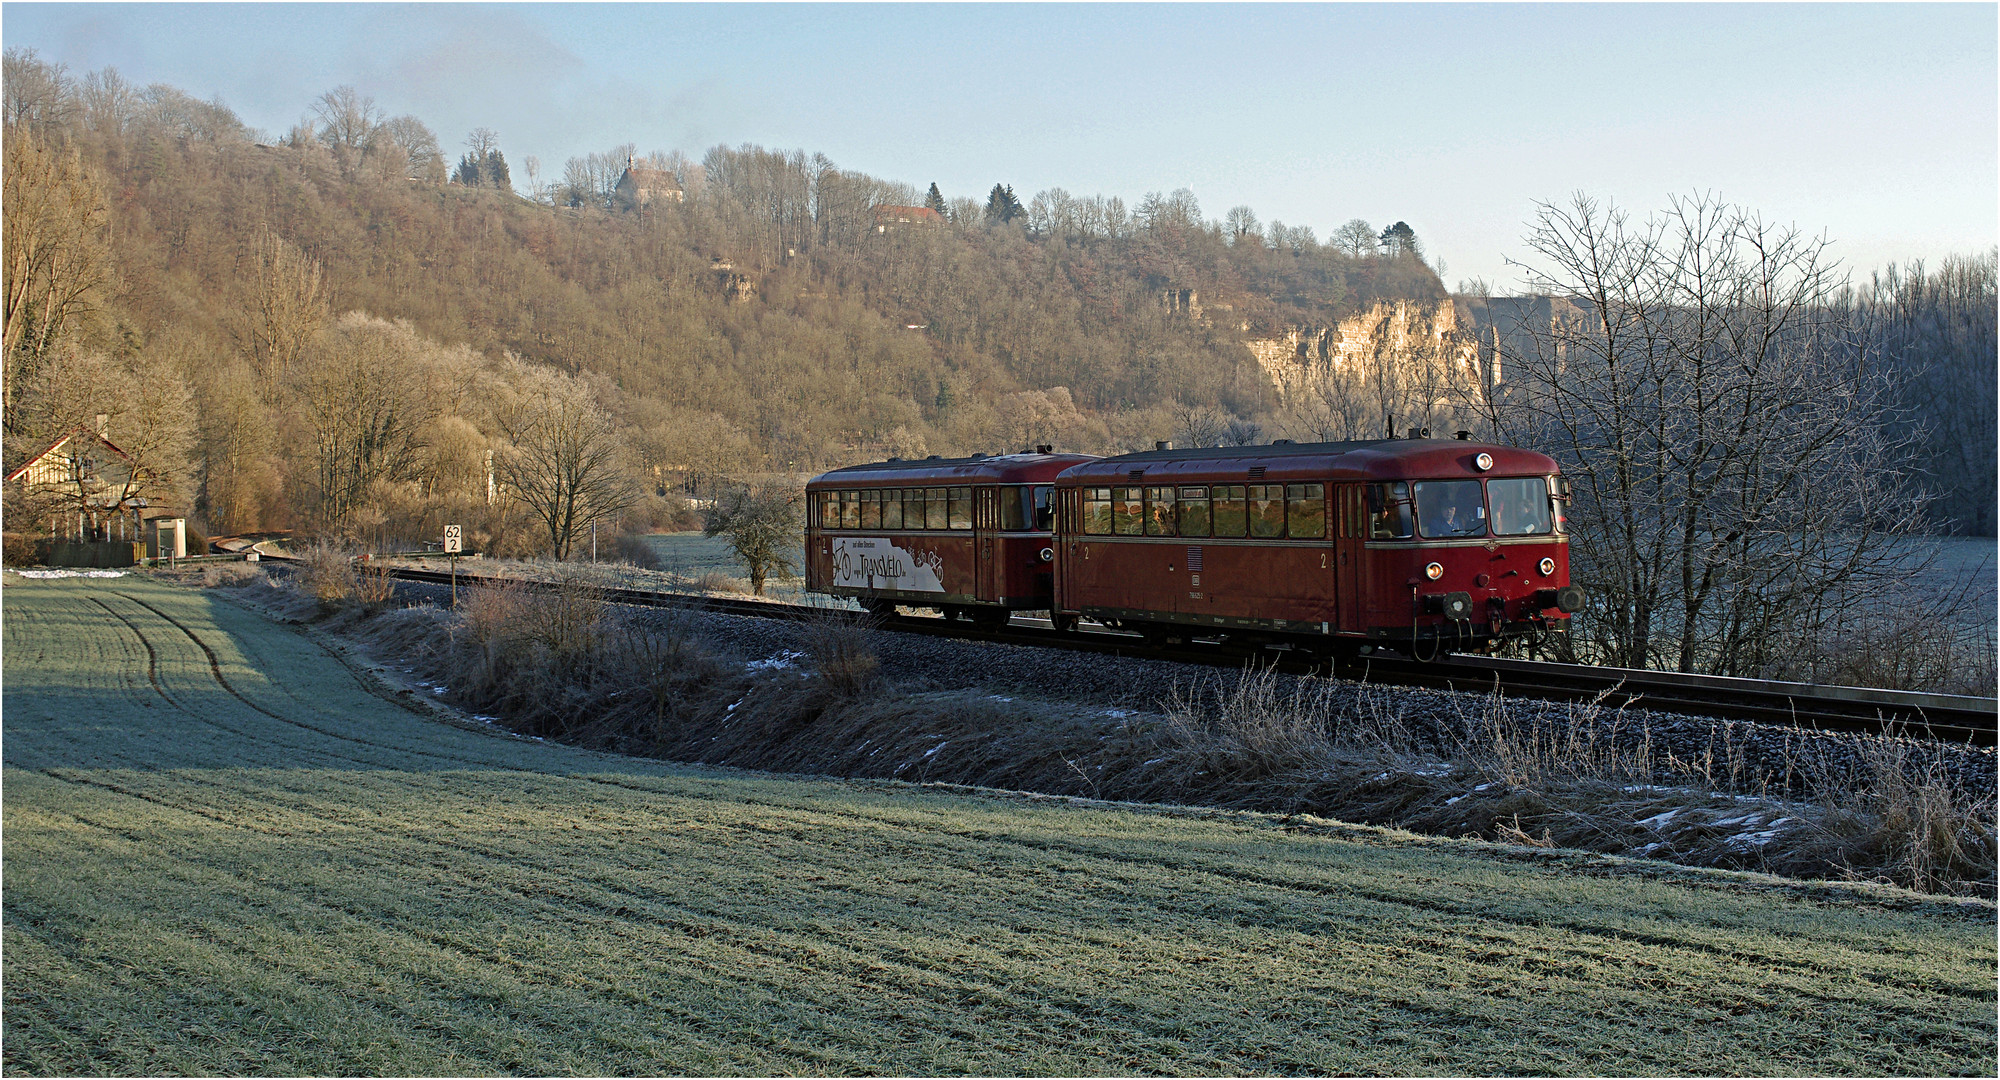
[1404,341]
[1449,347]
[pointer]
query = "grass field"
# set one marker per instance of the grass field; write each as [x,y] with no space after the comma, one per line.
[226,852]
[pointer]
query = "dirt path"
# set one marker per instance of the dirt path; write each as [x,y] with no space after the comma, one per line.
[226,852]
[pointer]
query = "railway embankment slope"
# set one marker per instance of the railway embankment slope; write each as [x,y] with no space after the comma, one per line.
[230,851]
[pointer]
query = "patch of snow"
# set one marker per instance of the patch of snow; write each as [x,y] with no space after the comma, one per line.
[1482,787]
[1117,714]
[69,573]
[1381,776]
[780,662]
[997,697]
[1453,799]
[1658,821]
[1634,789]
[1648,849]
[937,748]
[1156,761]
[1438,768]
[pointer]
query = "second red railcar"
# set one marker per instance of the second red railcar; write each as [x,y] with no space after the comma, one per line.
[968,536]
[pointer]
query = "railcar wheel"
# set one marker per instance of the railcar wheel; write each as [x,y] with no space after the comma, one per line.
[987,618]
[879,608]
[1063,623]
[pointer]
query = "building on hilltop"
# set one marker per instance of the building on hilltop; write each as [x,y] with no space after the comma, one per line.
[641,187]
[891,218]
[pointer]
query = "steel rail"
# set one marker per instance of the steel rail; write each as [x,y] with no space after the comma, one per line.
[1942,717]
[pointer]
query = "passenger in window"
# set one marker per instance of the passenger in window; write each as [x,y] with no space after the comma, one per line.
[1160,511]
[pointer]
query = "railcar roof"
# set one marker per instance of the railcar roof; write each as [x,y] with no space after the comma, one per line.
[977,468]
[1371,458]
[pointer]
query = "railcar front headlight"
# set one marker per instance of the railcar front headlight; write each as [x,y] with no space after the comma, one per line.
[1483,462]
[1547,567]
[1434,571]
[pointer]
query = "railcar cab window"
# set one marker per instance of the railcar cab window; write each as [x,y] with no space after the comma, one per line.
[1520,507]
[1127,509]
[1025,508]
[1305,511]
[1230,511]
[1389,511]
[1194,514]
[1160,511]
[1097,511]
[1449,508]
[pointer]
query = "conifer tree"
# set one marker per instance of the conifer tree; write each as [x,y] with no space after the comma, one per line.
[935,199]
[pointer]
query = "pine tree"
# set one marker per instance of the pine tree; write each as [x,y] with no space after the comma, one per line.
[467,172]
[935,200]
[1001,205]
[494,171]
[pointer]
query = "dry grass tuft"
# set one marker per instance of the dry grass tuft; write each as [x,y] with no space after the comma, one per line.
[327,573]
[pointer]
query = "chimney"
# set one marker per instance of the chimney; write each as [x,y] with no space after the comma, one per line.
[1162,445]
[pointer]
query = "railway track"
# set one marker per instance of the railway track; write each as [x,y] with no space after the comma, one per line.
[1942,717]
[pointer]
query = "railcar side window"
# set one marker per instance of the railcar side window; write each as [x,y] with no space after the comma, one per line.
[1520,507]
[1194,511]
[1305,510]
[1159,511]
[1389,511]
[850,509]
[892,508]
[829,509]
[1267,510]
[1231,518]
[1014,508]
[1447,508]
[1097,511]
[937,512]
[961,508]
[871,509]
[1127,508]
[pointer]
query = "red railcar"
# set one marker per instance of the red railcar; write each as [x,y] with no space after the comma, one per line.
[1421,544]
[968,536]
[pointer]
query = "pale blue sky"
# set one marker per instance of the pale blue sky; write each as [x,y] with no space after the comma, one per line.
[1874,123]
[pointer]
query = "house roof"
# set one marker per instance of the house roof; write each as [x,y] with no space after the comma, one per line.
[84,431]
[642,176]
[908,213]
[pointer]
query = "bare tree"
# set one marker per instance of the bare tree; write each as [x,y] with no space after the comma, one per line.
[1722,419]
[565,462]
[364,396]
[287,309]
[1356,239]
[347,120]
[57,257]
[1197,425]
[761,522]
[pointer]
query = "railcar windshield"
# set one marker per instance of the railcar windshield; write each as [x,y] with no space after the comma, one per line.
[1449,508]
[1520,507]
